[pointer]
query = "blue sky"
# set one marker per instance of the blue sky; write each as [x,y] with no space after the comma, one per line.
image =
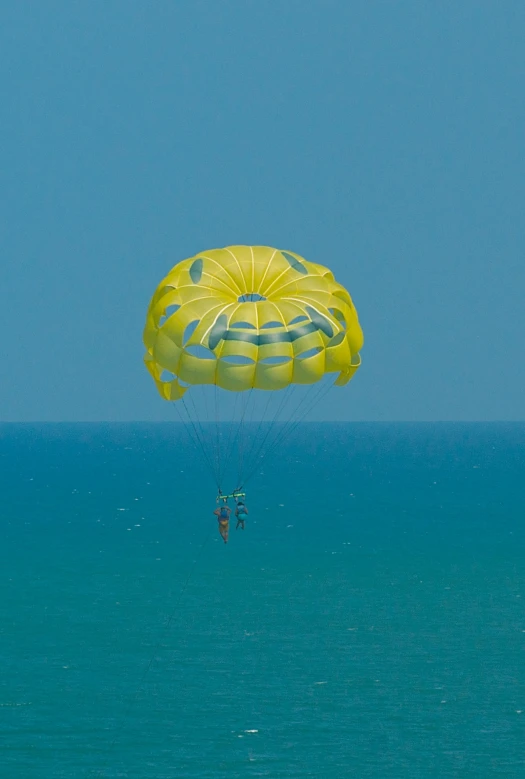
[385,140]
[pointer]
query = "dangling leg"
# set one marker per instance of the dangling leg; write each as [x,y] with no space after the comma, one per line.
[223,530]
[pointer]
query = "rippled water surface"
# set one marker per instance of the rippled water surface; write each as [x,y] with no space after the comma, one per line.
[369,621]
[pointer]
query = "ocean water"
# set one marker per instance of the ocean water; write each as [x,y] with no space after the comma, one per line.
[369,622]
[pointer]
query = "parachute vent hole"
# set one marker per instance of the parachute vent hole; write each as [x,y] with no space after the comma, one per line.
[168,311]
[167,376]
[296,264]
[196,270]
[189,330]
[238,359]
[243,325]
[310,353]
[197,350]
[337,314]
[250,297]
[356,359]
[218,331]
[277,360]
[298,319]
[268,325]
[320,321]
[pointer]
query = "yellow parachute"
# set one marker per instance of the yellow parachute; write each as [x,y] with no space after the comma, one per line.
[247,318]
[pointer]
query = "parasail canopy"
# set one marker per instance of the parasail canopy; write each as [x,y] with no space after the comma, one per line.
[245,324]
[249,317]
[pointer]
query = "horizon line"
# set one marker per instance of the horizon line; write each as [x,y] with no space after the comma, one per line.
[258,421]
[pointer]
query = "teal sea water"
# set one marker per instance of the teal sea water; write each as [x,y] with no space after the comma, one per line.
[369,622]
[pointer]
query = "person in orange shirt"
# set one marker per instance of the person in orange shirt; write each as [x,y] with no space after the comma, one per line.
[223,515]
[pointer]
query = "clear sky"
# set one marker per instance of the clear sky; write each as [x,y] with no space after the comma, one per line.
[383,139]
